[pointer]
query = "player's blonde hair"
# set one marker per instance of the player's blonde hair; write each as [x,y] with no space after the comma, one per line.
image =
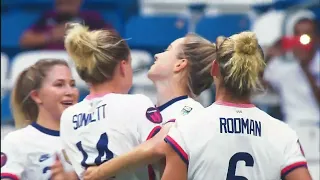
[95,53]
[23,107]
[200,54]
[241,61]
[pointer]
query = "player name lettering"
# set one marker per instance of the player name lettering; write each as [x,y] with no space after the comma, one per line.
[240,126]
[83,119]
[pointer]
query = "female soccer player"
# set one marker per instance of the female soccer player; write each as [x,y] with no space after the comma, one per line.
[103,60]
[211,142]
[232,139]
[40,94]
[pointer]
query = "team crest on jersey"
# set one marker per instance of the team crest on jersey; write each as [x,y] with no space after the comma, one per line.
[186,110]
[154,115]
[3,159]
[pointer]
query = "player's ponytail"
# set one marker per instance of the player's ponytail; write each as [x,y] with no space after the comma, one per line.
[200,54]
[95,53]
[241,61]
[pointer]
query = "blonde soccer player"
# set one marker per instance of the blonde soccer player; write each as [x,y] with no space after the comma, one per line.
[105,55]
[231,139]
[41,93]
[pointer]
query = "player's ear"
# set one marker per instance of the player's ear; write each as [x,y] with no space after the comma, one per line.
[180,65]
[122,67]
[215,71]
[34,95]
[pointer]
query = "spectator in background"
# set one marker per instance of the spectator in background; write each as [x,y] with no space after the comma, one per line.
[296,78]
[49,31]
[296,75]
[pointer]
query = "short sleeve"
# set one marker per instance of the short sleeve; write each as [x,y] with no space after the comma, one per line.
[148,118]
[13,162]
[176,139]
[293,156]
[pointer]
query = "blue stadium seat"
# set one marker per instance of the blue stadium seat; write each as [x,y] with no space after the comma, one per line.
[115,19]
[13,24]
[225,25]
[149,32]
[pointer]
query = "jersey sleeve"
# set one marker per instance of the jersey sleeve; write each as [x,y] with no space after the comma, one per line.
[176,138]
[293,156]
[13,161]
[148,118]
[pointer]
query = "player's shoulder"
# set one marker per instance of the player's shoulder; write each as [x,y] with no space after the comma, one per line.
[280,132]
[17,136]
[194,104]
[193,119]
[281,127]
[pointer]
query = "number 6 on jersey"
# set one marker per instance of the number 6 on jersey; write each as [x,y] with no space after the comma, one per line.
[240,156]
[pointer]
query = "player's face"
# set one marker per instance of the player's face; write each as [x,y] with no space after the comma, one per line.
[163,67]
[58,91]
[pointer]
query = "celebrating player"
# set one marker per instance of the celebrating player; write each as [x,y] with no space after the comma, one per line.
[195,55]
[171,68]
[40,94]
[232,139]
[209,143]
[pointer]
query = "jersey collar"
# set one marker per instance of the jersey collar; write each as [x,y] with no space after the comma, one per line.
[45,130]
[172,101]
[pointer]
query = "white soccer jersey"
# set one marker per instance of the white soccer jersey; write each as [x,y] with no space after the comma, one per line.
[229,141]
[179,106]
[175,108]
[100,128]
[28,153]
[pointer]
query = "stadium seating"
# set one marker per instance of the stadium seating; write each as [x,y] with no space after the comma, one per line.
[13,24]
[225,25]
[145,35]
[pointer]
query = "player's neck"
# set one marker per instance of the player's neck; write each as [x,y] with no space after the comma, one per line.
[223,95]
[46,120]
[167,90]
[105,88]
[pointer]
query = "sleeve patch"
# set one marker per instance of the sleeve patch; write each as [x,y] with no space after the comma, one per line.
[154,115]
[3,159]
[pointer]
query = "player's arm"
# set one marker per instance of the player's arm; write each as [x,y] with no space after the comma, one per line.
[146,153]
[175,168]
[294,165]
[298,174]
[177,158]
